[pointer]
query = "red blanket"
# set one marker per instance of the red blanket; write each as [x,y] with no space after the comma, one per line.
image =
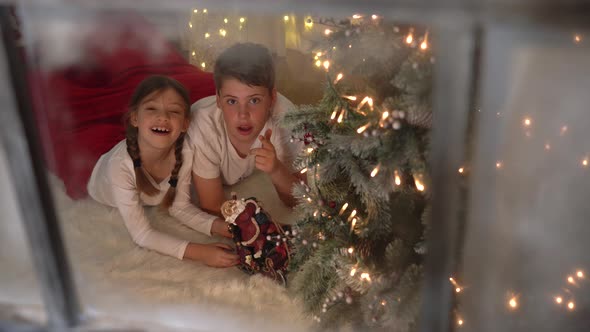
[79,108]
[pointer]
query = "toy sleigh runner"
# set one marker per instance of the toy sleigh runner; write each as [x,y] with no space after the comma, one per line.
[261,243]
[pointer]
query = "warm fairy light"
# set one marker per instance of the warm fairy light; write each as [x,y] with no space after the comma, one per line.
[207,35]
[513,303]
[350,250]
[327,32]
[374,16]
[363,128]
[354,220]
[458,290]
[222,32]
[419,185]
[365,276]
[353,272]
[424,44]
[375,170]
[242,20]
[563,130]
[309,199]
[309,150]
[410,38]
[461,170]
[571,305]
[190,25]
[571,280]
[319,54]
[398,180]
[585,162]
[303,171]
[315,213]
[385,115]
[338,78]
[352,214]
[353,98]
[193,53]
[527,122]
[580,274]
[202,65]
[286,18]
[366,100]
[356,16]
[205,10]
[460,321]
[318,63]
[340,117]
[558,299]
[383,302]
[326,64]
[343,208]
[333,116]
[547,146]
[577,38]
[349,45]
[225,20]
[195,11]
[498,164]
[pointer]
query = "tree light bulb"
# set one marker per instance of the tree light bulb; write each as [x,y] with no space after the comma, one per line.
[286,18]
[318,63]
[202,65]
[352,214]
[424,45]
[356,16]
[461,170]
[205,10]
[242,20]
[340,117]
[326,64]
[303,171]
[585,162]
[343,208]
[513,303]
[460,322]
[458,290]
[333,116]
[361,129]
[207,35]
[353,272]
[195,11]
[409,38]
[419,185]
[527,122]
[193,53]
[558,299]
[338,78]
[225,20]
[190,25]
[398,180]
[580,274]
[374,16]
[571,305]
[350,250]
[375,170]
[327,32]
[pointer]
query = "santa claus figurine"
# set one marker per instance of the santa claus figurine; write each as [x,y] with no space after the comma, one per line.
[260,242]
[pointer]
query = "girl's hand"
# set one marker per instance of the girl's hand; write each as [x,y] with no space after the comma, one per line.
[219,255]
[219,227]
[266,156]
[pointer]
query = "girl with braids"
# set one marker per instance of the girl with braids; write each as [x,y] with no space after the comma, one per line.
[152,166]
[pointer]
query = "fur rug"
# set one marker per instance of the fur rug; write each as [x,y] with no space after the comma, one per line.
[116,278]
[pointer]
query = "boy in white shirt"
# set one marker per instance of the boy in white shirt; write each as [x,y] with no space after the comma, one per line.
[237,130]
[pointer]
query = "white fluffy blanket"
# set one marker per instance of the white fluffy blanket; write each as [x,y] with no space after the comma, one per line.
[117,279]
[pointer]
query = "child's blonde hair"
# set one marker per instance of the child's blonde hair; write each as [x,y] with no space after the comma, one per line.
[146,87]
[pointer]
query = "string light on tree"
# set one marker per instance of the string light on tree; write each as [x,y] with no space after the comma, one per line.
[577,38]
[513,303]
[580,274]
[558,300]
[527,122]
[410,37]
[424,44]
[571,305]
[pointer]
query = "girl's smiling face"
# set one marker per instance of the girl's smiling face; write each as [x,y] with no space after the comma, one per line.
[160,118]
[245,110]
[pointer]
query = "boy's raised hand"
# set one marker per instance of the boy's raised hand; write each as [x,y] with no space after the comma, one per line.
[266,156]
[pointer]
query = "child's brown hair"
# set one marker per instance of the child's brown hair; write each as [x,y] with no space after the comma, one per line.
[146,87]
[249,63]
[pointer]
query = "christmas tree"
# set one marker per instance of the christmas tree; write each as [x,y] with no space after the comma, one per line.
[360,237]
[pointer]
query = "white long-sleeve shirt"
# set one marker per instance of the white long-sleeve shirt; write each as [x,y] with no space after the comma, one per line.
[113,183]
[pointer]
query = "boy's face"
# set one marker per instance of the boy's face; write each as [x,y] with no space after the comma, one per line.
[245,109]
